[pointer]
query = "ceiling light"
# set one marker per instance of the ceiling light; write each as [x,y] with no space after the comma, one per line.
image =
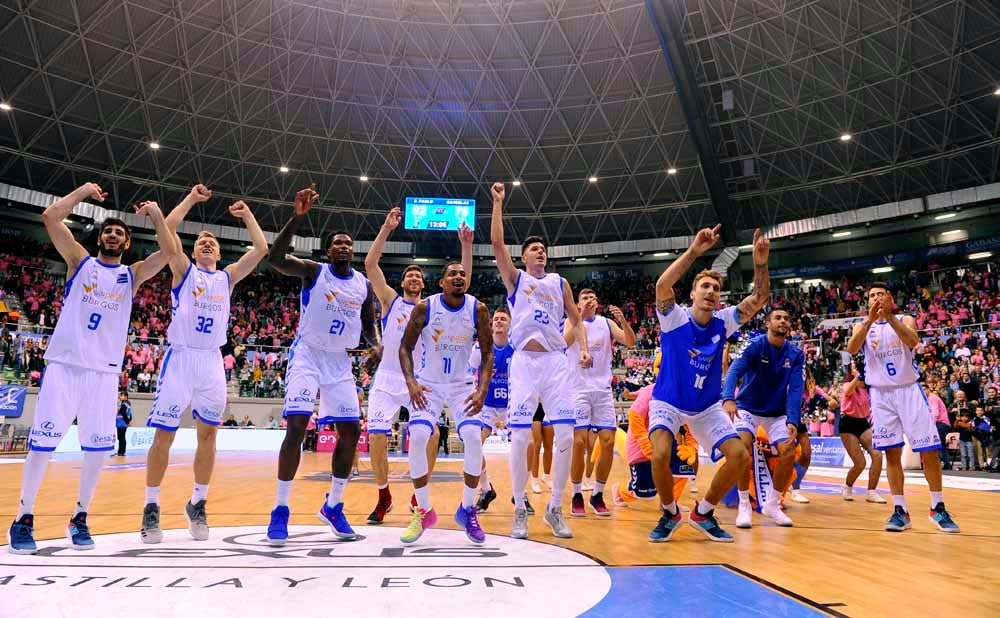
[947,215]
[419,259]
[516,183]
[979,256]
[662,254]
[363,179]
[793,280]
[671,170]
[593,179]
[881,269]
[997,92]
[845,137]
[952,232]
[742,247]
[579,259]
[841,234]
[5,107]
[283,169]
[154,145]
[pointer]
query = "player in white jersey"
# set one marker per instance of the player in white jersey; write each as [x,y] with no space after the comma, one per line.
[388,391]
[899,405]
[338,308]
[85,356]
[594,404]
[538,369]
[448,325]
[192,374]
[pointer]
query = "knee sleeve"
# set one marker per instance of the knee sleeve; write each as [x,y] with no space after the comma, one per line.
[473,459]
[420,435]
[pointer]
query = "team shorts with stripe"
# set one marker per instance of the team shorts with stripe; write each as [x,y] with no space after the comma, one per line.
[69,391]
[775,426]
[452,395]
[326,373]
[189,377]
[388,394]
[595,410]
[492,417]
[902,410]
[538,377]
[710,426]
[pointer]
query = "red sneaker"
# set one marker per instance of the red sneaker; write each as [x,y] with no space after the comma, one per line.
[577,510]
[598,506]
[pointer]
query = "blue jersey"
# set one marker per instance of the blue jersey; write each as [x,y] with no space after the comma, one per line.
[773,380]
[690,377]
[496,396]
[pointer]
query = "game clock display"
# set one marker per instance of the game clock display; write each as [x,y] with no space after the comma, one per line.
[439,213]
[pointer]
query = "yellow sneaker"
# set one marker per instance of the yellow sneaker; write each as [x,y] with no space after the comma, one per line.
[421,520]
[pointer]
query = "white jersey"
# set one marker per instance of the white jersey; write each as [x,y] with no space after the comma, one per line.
[330,318]
[394,323]
[601,345]
[888,361]
[536,311]
[448,337]
[200,310]
[93,327]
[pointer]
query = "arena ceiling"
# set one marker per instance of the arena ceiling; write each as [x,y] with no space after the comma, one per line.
[431,97]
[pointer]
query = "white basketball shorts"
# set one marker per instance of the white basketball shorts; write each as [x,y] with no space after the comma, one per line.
[710,426]
[452,395]
[534,377]
[775,426]
[595,410]
[902,410]
[189,377]
[313,372]
[388,394]
[69,391]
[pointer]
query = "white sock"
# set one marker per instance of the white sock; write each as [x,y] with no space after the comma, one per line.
[468,496]
[599,487]
[744,496]
[562,458]
[937,497]
[31,480]
[93,461]
[153,495]
[704,507]
[577,487]
[423,497]
[849,489]
[200,493]
[670,509]
[484,479]
[899,501]
[520,438]
[383,486]
[336,495]
[284,489]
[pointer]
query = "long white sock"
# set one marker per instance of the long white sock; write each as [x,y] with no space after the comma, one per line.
[91,471]
[704,507]
[899,501]
[599,487]
[562,457]
[937,497]
[336,492]
[577,487]
[200,493]
[153,495]
[468,496]
[484,478]
[31,480]
[520,438]
[423,495]
[744,496]
[284,490]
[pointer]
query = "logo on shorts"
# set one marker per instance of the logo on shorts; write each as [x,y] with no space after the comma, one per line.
[346,410]
[305,392]
[48,425]
[96,438]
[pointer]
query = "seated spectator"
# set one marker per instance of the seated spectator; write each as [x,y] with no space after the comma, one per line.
[230,422]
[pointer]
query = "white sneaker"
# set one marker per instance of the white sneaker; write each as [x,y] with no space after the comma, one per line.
[744,516]
[547,480]
[774,512]
[588,484]
[536,487]
[873,496]
[847,493]
[694,487]
[799,497]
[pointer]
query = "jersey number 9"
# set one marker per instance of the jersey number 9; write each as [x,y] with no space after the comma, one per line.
[94,321]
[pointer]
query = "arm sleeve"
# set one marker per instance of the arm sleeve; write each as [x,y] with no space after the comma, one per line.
[796,385]
[736,371]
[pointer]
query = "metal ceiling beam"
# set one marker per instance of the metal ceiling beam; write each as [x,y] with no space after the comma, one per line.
[667,17]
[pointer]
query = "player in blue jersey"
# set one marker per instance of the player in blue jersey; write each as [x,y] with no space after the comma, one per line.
[690,380]
[338,308]
[773,374]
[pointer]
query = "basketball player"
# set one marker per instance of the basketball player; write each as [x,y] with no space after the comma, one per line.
[538,302]
[494,412]
[690,380]
[772,370]
[899,407]
[388,391]
[85,356]
[594,403]
[338,307]
[192,373]
[448,323]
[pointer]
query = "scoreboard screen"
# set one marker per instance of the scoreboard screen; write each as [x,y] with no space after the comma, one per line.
[439,213]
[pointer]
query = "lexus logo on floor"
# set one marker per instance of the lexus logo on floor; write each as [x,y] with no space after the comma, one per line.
[313,574]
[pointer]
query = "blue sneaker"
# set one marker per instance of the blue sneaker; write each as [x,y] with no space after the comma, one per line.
[940,518]
[666,527]
[708,525]
[466,517]
[277,530]
[78,532]
[899,520]
[21,536]
[334,517]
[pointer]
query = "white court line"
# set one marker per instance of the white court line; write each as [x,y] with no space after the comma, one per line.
[915,477]
[11,461]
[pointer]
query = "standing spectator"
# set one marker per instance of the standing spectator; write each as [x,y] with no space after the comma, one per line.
[123,421]
[964,427]
[981,430]
[940,414]
[229,361]
[443,429]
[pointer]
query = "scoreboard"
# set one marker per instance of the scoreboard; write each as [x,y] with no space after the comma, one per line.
[439,213]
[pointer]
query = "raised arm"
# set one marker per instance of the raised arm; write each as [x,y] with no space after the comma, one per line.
[179,263]
[860,331]
[750,305]
[383,291]
[474,402]
[368,330]
[146,269]
[575,323]
[465,237]
[71,251]
[278,257]
[621,330]
[504,262]
[248,263]
[703,241]
[409,341]
[906,328]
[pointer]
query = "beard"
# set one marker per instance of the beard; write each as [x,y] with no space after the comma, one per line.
[109,252]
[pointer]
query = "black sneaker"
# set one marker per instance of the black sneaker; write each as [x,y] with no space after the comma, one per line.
[527,505]
[485,497]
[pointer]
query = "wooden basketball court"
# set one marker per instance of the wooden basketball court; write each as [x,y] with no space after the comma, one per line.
[837,560]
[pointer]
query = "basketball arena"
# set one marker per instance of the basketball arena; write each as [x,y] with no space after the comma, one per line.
[535,307]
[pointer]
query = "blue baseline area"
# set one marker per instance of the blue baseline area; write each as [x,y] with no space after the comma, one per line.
[704,591]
